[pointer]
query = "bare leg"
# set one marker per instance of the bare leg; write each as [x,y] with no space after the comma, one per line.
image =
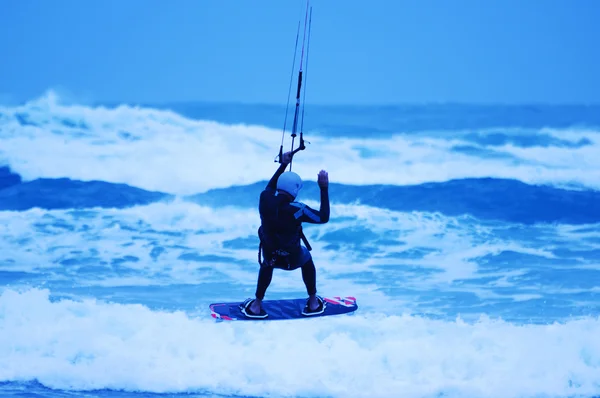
[265,275]
[309,276]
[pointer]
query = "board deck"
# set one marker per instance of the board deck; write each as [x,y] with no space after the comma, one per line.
[283,309]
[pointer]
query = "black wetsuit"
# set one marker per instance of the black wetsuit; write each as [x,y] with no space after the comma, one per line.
[281,229]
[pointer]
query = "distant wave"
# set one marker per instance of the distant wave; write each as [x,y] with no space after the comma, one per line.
[484,198]
[385,120]
[165,151]
[64,193]
[8,178]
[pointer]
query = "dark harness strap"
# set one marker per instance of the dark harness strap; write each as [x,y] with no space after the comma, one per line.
[277,258]
[308,246]
[277,253]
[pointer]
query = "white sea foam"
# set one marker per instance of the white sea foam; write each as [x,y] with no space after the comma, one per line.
[362,251]
[82,345]
[161,150]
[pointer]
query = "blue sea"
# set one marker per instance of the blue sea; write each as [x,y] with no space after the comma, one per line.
[469,235]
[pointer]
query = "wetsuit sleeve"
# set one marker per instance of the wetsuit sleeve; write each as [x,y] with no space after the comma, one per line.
[307,214]
[272,184]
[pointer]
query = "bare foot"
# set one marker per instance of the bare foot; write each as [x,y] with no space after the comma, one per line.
[313,303]
[256,306]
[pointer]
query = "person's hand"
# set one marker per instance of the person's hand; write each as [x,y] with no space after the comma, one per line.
[323,179]
[286,158]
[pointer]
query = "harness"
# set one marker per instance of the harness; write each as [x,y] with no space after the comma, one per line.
[280,258]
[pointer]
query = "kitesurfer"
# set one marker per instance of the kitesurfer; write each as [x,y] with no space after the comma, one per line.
[280,234]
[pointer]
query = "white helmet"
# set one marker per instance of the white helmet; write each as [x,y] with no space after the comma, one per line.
[290,182]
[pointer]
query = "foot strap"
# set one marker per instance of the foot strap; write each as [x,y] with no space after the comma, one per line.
[245,308]
[319,310]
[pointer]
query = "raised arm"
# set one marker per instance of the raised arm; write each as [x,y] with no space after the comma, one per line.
[285,160]
[307,214]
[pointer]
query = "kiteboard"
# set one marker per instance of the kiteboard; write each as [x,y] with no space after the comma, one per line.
[283,309]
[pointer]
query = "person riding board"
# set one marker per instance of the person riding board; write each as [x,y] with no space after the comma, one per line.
[280,234]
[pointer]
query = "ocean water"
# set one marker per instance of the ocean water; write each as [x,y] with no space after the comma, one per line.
[470,236]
